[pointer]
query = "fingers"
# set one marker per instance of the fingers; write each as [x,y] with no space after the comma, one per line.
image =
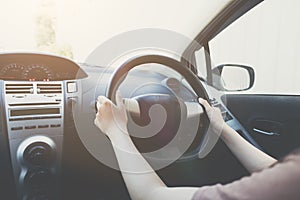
[102,101]
[204,103]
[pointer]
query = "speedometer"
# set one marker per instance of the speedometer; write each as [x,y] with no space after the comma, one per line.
[38,73]
[12,71]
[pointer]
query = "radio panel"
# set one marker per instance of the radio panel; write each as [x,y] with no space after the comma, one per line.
[34,116]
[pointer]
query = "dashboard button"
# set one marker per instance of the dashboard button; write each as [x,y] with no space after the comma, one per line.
[72,87]
[17,128]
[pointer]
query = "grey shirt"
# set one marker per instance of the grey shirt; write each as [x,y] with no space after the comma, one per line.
[279,182]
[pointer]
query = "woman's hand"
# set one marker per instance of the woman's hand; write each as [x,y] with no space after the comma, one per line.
[214,115]
[252,158]
[110,116]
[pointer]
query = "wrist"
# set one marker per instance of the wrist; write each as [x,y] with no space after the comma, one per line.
[226,134]
[116,132]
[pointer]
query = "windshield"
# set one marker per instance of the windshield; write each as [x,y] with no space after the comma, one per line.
[74,28]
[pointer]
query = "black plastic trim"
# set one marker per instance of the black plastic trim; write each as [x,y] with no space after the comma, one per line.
[227,16]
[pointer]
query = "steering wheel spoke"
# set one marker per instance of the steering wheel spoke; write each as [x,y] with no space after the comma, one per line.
[132,105]
[194,109]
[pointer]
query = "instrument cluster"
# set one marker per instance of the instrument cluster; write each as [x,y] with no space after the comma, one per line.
[34,72]
[38,67]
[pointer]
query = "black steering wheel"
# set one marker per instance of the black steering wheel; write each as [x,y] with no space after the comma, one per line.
[120,74]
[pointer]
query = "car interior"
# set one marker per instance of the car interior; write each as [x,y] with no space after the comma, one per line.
[51,149]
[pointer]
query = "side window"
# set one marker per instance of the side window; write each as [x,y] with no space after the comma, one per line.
[201,64]
[266,38]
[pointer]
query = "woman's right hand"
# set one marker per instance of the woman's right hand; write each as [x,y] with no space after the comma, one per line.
[214,115]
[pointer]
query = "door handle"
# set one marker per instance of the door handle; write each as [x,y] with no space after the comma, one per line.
[267,127]
[265,132]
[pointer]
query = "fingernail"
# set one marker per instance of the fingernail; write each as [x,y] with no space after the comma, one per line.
[200,100]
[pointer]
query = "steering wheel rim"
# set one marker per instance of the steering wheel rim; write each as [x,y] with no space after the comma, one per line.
[120,74]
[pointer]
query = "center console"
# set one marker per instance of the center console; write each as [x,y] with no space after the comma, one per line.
[34,117]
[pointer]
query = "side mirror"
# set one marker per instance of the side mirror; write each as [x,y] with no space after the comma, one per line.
[233,77]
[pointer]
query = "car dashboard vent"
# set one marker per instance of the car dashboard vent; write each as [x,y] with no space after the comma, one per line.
[49,88]
[19,88]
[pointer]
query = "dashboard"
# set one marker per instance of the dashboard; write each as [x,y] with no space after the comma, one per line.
[46,128]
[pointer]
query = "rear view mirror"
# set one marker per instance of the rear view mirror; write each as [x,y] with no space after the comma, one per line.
[233,77]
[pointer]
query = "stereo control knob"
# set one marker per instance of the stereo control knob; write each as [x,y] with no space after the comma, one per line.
[39,153]
[38,178]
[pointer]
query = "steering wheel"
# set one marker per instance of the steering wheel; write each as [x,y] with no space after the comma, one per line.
[165,100]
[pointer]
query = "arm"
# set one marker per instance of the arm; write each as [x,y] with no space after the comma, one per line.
[252,158]
[136,171]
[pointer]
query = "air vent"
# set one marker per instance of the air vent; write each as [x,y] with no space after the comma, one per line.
[19,88]
[49,88]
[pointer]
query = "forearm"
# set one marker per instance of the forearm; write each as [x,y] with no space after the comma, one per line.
[136,171]
[252,158]
[141,180]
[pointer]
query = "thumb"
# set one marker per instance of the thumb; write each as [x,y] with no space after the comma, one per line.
[204,103]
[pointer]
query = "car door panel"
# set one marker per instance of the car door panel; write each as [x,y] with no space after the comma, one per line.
[272,120]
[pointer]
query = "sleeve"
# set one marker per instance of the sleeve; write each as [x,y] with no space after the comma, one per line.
[282,181]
